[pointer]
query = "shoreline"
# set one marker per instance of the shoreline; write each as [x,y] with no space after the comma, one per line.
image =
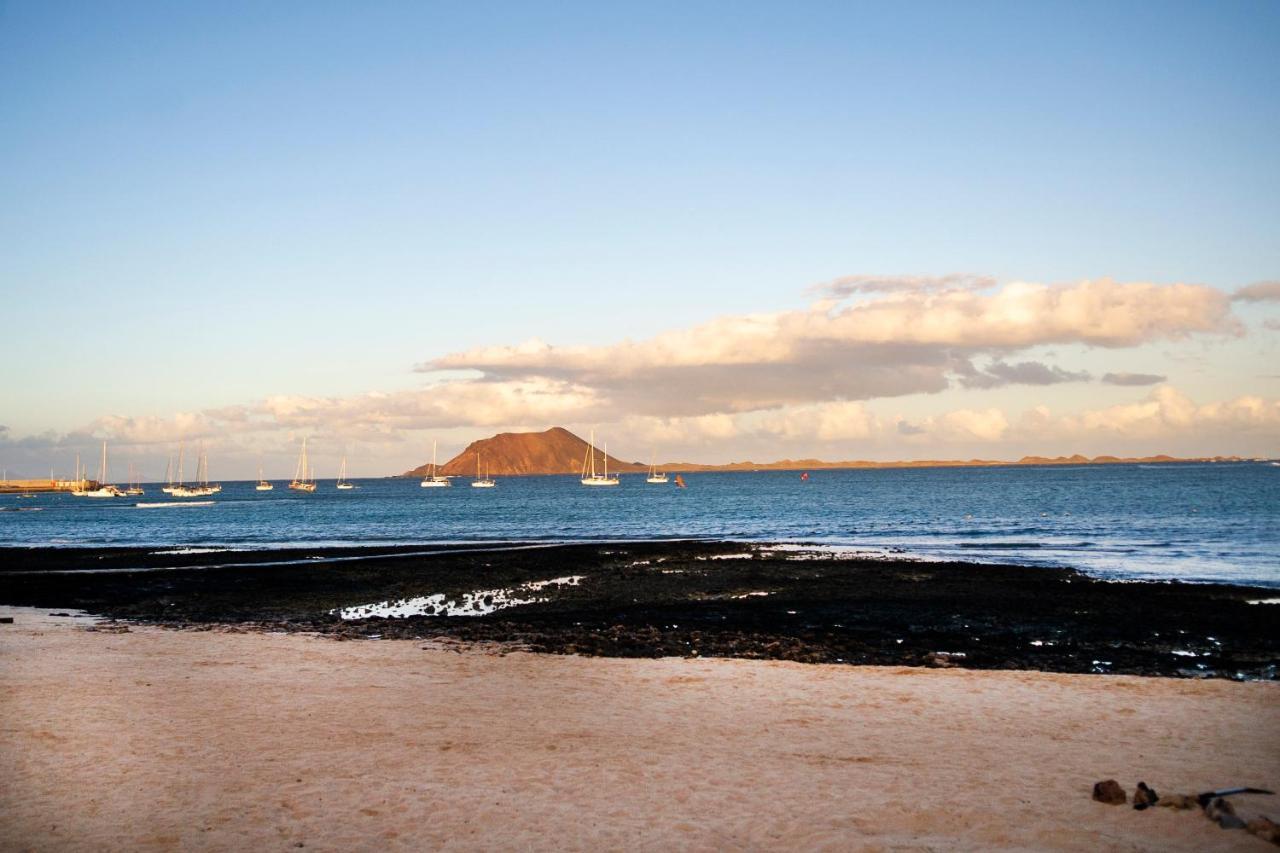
[688,598]
[77,558]
[156,739]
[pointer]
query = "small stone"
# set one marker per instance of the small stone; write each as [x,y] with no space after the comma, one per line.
[1223,814]
[1177,801]
[1264,828]
[1144,797]
[1110,792]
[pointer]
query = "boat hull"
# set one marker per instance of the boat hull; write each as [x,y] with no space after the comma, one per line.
[197,492]
[108,492]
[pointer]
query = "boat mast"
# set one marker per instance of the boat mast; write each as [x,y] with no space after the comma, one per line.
[300,470]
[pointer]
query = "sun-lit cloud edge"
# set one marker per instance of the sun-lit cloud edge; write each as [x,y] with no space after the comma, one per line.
[823,376]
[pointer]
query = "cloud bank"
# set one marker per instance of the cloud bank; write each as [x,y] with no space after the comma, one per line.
[912,336]
[822,374]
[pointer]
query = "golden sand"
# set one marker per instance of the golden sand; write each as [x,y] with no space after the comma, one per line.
[157,740]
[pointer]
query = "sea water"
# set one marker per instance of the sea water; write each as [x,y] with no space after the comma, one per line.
[1202,522]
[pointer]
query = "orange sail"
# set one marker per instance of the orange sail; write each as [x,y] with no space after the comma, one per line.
[679,481]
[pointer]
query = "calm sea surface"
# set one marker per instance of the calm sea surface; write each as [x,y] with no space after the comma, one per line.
[1190,521]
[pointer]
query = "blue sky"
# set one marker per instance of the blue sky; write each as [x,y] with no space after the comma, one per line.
[208,205]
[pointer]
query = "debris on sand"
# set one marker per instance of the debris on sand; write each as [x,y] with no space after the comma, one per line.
[1265,828]
[1178,801]
[1221,812]
[1144,797]
[1110,792]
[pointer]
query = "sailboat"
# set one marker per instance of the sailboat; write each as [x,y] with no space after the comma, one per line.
[167,488]
[481,482]
[434,480]
[303,481]
[135,484]
[202,474]
[589,475]
[201,488]
[342,476]
[103,490]
[263,485]
[654,475]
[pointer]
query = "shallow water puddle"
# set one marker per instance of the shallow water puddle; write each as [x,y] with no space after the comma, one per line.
[478,603]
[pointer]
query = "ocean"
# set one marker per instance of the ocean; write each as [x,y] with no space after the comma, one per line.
[1197,522]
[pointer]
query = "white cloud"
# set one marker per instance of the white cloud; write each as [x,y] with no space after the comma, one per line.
[1263,291]
[1166,413]
[913,339]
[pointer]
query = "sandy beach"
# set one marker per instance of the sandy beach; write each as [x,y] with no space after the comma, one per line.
[159,739]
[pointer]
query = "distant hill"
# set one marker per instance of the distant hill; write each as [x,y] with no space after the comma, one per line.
[558,451]
[509,454]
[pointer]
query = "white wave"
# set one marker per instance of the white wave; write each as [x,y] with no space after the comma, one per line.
[479,603]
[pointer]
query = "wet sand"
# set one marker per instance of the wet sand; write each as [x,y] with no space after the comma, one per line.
[162,739]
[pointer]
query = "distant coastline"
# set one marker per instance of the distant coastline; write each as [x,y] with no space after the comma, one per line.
[819,464]
[558,451]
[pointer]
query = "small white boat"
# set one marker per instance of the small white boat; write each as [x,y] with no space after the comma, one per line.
[135,484]
[342,476]
[141,505]
[303,479]
[481,482]
[654,475]
[263,485]
[589,475]
[433,480]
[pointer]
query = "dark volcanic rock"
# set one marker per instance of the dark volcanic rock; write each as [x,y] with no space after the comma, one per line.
[1144,797]
[650,599]
[1109,792]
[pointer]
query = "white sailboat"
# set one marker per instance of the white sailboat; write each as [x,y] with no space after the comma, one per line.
[135,483]
[167,488]
[342,476]
[303,480]
[433,480]
[263,485]
[103,490]
[203,474]
[201,488]
[654,475]
[481,482]
[589,475]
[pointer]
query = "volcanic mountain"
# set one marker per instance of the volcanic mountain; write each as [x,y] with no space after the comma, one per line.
[509,454]
[558,451]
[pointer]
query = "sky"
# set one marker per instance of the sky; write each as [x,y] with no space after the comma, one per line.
[709,231]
